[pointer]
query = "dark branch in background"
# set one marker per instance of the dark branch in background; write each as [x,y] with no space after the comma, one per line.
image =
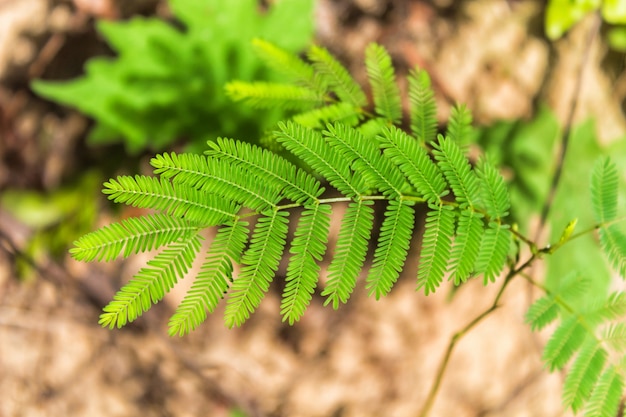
[51,271]
[567,128]
[430,399]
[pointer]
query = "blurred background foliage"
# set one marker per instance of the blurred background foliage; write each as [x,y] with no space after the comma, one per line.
[164,87]
[561,15]
[167,81]
[161,87]
[53,219]
[526,151]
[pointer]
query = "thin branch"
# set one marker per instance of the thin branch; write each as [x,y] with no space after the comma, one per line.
[430,399]
[567,128]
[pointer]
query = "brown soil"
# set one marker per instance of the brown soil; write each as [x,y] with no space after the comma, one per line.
[370,358]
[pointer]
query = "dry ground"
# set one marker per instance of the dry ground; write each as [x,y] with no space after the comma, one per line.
[371,358]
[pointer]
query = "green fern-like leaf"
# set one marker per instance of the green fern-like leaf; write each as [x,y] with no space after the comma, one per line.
[310,146]
[495,196]
[177,200]
[212,281]
[460,125]
[607,393]
[564,343]
[458,172]
[583,375]
[405,152]
[466,246]
[294,183]
[260,262]
[308,247]
[131,236]
[287,64]
[336,77]
[572,285]
[613,242]
[151,283]
[423,109]
[436,246]
[494,249]
[615,336]
[611,308]
[383,82]
[604,184]
[365,158]
[542,312]
[266,95]
[345,113]
[393,246]
[350,252]
[218,177]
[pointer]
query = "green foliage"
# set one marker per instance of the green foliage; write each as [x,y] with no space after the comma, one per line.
[166,84]
[192,192]
[591,336]
[561,15]
[383,82]
[55,219]
[588,339]
[604,190]
[367,161]
[525,150]
[423,107]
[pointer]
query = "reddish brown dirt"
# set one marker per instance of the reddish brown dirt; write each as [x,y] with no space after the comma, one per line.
[370,358]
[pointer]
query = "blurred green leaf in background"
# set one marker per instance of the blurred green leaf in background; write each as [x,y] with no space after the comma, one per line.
[52,219]
[527,152]
[561,15]
[167,84]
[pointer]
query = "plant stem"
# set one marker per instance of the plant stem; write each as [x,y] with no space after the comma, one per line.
[430,399]
[567,128]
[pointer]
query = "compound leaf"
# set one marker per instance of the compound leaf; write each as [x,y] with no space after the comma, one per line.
[382,79]
[259,263]
[604,184]
[406,153]
[337,77]
[422,106]
[268,95]
[542,312]
[466,246]
[392,249]
[583,375]
[212,281]
[494,249]
[458,172]
[350,252]
[460,125]
[177,200]
[151,283]
[436,246]
[131,236]
[309,145]
[606,395]
[495,196]
[613,243]
[564,343]
[307,247]
[365,158]
[296,184]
